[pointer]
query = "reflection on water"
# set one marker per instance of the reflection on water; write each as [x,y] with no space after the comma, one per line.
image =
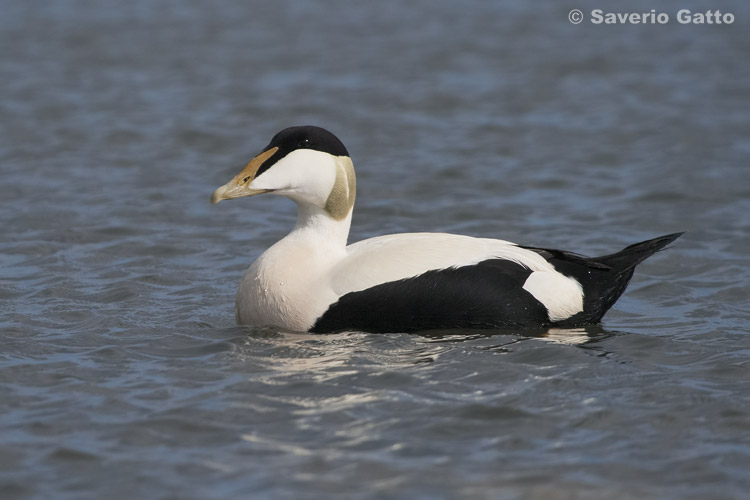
[571,336]
[577,336]
[321,358]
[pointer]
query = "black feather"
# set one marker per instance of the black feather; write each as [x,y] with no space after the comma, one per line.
[486,295]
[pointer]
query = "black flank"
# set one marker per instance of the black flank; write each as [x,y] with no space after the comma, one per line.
[486,295]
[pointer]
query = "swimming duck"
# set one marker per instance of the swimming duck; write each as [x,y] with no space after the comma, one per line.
[312,281]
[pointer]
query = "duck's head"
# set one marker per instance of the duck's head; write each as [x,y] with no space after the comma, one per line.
[308,165]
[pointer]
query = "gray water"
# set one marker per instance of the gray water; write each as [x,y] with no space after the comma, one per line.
[122,374]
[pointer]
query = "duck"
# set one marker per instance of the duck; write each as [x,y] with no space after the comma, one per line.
[312,280]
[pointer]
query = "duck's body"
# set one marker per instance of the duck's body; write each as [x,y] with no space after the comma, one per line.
[312,281]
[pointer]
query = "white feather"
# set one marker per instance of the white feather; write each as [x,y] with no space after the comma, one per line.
[562,296]
[398,256]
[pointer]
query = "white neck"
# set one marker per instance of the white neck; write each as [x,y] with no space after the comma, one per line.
[314,222]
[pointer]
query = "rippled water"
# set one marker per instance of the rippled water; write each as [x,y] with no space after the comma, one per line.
[122,374]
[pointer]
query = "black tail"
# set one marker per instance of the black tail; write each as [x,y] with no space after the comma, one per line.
[630,256]
[604,288]
[604,278]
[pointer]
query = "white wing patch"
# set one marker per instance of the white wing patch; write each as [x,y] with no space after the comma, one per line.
[562,296]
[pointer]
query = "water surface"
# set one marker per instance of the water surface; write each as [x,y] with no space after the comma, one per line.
[122,374]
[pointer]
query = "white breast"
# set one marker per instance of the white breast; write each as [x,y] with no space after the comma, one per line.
[287,286]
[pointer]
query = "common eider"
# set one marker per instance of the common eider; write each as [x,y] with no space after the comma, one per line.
[312,281]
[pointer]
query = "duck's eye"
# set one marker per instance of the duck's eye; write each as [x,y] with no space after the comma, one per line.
[304,143]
